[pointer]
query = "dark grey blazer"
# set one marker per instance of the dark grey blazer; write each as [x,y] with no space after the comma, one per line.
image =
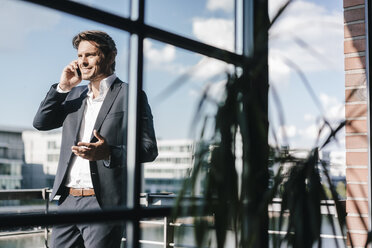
[67,109]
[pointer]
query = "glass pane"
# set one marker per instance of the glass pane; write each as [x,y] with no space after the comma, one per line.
[176,82]
[208,21]
[183,89]
[306,61]
[37,49]
[307,79]
[316,52]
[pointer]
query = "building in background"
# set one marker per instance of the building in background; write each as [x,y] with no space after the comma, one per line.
[11,161]
[41,155]
[337,165]
[11,157]
[165,174]
[171,167]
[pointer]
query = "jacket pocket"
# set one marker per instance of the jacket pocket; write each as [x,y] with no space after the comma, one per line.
[114,115]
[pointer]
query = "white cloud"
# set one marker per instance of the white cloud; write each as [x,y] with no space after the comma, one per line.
[311,132]
[209,67]
[19,19]
[225,5]
[279,72]
[334,109]
[288,131]
[159,56]
[164,59]
[285,134]
[306,136]
[321,30]
[214,31]
[334,113]
[217,32]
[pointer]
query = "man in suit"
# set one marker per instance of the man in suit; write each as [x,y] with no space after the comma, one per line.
[92,166]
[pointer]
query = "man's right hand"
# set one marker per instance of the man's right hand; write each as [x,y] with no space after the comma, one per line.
[69,78]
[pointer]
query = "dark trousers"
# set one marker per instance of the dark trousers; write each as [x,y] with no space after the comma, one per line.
[102,235]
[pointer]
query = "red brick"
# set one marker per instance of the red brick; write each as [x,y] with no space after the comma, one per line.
[357,207]
[356,175]
[349,3]
[355,63]
[356,158]
[355,95]
[357,239]
[357,223]
[353,46]
[356,141]
[355,110]
[355,79]
[357,190]
[352,30]
[356,126]
[354,15]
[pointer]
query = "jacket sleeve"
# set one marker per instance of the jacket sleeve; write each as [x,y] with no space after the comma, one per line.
[148,149]
[51,112]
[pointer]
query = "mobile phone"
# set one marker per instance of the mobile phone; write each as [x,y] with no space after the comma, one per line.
[78,72]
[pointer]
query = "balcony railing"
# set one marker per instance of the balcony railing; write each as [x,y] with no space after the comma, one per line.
[147,200]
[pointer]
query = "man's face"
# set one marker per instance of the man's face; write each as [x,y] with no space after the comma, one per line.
[90,62]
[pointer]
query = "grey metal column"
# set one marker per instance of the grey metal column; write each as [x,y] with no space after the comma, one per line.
[134,125]
[244,19]
[252,24]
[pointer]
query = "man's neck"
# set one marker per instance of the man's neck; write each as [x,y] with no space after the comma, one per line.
[95,85]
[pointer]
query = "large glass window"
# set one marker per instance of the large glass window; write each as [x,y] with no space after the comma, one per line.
[183,87]
[5,169]
[37,48]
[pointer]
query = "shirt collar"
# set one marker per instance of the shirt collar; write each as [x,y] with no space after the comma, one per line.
[104,86]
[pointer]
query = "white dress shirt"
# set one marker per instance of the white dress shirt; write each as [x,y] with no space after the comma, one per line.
[78,175]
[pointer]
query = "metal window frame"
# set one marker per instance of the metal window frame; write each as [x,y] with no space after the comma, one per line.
[138,30]
[367,8]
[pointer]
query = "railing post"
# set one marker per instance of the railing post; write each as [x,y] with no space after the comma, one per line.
[46,229]
[168,232]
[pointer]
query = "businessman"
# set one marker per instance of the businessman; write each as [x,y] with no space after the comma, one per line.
[91,172]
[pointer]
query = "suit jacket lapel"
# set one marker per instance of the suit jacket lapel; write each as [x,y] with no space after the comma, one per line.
[106,105]
[80,113]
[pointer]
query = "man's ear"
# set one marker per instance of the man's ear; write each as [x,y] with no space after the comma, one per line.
[108,61]
[111,58]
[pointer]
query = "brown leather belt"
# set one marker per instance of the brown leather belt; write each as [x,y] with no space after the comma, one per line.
[81,192]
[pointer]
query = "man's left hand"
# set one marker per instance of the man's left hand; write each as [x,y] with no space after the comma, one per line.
[92,151]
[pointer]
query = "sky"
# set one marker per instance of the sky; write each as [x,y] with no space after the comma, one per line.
[309,35]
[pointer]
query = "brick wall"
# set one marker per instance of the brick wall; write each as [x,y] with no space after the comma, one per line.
[356,129]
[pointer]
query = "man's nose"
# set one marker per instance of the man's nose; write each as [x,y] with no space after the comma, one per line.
[84,61]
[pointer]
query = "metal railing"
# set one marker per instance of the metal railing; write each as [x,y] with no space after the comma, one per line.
[147,200]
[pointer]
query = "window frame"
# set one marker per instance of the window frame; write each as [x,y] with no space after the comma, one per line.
[139,30]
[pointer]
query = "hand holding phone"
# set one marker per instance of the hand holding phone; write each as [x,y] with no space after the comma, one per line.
[71,76]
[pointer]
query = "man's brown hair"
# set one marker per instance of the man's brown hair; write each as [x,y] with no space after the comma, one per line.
[103,42]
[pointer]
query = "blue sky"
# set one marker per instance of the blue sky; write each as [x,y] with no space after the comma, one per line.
[38,46]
